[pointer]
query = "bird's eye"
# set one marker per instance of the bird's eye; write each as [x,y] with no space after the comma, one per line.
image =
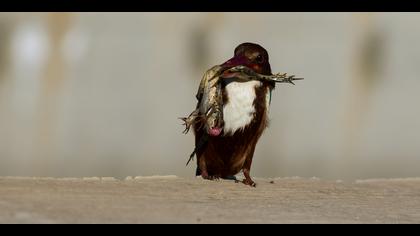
[259,59]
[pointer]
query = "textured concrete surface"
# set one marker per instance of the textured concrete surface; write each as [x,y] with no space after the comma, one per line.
[170,199]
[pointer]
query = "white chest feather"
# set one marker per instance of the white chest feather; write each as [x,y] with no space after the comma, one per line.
[239,111]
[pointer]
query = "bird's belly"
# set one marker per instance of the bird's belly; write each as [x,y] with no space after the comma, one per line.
[246,109]
[239,109]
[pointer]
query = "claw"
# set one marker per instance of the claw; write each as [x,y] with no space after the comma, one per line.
[287,79]
[211,177]
[190,120]
[282,77]
[187,124]
[290,79]
[249,182]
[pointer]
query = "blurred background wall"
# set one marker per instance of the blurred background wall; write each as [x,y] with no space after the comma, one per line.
[99,94]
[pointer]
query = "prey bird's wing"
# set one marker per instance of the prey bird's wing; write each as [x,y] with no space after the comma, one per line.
[207,77]
[205,96]
[208,95]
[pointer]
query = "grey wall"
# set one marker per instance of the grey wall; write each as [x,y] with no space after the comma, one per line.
[99,93]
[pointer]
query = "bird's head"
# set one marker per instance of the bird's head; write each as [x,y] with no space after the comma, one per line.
[252,56]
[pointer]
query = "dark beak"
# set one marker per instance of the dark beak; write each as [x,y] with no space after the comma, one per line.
[234,61]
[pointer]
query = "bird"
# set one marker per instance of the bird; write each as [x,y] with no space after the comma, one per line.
[223,152]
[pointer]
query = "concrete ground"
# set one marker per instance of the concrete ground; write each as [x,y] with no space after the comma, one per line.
[171,199]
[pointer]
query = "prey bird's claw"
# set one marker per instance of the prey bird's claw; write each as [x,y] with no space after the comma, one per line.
[185,123]
[291,78]
[190,120]
[283,78]
[186,130]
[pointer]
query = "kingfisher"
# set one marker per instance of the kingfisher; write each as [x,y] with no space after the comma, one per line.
[225,151]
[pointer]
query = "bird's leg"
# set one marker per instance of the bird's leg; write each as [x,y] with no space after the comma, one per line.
[248,180]
[204,173]
[247,168]
[203,168]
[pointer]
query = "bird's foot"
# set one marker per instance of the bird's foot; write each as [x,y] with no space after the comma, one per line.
[249,182]
[212,177]
[205,175]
